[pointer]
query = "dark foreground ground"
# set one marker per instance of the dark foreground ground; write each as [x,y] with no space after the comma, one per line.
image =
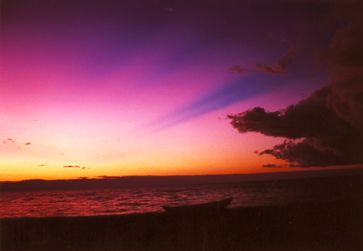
[324,226]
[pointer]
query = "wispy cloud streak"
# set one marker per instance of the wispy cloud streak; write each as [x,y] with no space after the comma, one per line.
[235,91]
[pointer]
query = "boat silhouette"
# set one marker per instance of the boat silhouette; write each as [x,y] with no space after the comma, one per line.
[213,206]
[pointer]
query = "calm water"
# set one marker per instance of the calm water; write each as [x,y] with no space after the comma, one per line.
[126,201]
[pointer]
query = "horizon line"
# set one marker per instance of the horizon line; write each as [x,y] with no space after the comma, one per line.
[294,170]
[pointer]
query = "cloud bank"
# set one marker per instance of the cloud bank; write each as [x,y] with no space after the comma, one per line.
[326,128]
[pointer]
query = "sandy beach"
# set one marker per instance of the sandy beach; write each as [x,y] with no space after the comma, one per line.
[319,226]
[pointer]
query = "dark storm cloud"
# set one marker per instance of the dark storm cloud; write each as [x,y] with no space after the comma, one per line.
[318,135]
[282,63]
[327,127]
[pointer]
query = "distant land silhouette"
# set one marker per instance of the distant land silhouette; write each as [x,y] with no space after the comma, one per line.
[106,182]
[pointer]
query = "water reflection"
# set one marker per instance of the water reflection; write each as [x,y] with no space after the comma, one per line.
[125,201]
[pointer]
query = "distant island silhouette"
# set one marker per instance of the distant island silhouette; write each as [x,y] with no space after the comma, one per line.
[106,182]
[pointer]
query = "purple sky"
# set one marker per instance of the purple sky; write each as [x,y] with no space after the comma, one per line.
[143,87]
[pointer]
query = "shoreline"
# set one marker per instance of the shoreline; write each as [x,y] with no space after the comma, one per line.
[325,226]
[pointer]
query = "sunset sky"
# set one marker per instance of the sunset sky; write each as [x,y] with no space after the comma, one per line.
[113,88]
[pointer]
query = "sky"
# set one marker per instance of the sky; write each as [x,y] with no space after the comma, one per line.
[113,88]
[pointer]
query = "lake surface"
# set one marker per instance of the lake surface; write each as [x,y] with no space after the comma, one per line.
[140,200]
